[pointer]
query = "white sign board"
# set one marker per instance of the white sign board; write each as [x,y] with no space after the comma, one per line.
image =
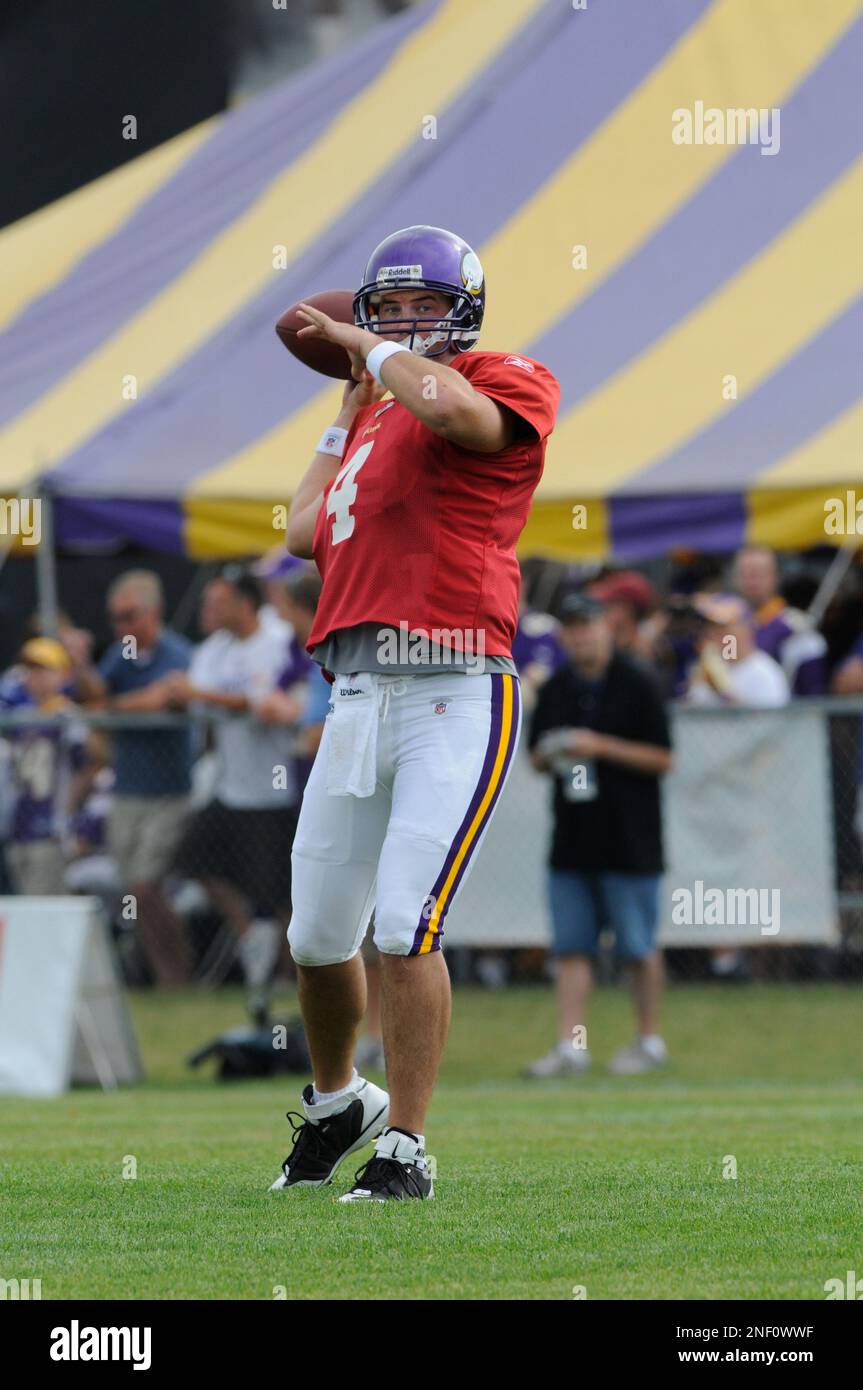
[748,825]
[749,831]
[63,1014]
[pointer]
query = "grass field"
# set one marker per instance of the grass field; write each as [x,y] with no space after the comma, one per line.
[612,1184]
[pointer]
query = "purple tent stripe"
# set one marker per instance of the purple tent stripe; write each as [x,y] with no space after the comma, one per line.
[240,384]
[491,753]
[749,201]
[157,525]
[644,526]
[797,401]
[246,152]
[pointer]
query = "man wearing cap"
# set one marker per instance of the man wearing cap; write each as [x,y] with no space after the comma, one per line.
[732,669]
[628,599]
[46,761]
[600,730]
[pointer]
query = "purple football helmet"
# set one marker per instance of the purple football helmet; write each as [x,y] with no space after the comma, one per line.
[433,259]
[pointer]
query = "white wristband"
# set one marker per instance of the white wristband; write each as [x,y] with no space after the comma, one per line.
[378,356]
[333,441]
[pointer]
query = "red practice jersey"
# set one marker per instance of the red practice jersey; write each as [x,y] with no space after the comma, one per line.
[417,530]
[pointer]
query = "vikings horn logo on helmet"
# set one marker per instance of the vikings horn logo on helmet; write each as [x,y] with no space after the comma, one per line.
[432,258]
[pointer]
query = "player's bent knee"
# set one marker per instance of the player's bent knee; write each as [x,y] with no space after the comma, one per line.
[403,938]
[310,946]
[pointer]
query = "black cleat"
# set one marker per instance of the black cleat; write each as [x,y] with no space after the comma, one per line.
[322,1138]
[387,1178]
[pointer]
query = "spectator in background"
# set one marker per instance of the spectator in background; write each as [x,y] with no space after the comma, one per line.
[629,600]
[239,845]
[599,728]
[46,761]
[785,633]
[848,676]
[847,765]
[731,669]
[151,766]
[274,570]
[292,592]
[294,596]
[536,649]
[91,869]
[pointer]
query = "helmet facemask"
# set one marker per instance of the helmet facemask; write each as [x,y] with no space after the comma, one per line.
[431,337]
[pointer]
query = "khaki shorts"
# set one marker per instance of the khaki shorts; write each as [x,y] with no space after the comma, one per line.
[143,833]
[37,868]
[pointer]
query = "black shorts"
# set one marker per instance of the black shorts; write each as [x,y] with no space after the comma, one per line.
[249,849]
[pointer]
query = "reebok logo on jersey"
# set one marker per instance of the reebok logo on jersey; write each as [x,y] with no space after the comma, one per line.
[518,362]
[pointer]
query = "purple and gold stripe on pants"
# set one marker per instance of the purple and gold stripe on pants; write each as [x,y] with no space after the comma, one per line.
[498,756]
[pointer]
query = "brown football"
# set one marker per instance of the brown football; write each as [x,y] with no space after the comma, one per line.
[321,356]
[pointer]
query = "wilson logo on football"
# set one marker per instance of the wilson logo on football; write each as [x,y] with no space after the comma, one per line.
[518,362]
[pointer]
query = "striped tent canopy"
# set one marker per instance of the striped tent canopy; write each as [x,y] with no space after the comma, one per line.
[700,301]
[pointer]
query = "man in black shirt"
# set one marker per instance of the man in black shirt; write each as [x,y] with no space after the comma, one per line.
[599,728]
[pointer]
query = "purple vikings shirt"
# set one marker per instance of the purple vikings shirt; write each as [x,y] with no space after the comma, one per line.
[90,821]
[788,636]
[43,760]
[536,640]
[298,667]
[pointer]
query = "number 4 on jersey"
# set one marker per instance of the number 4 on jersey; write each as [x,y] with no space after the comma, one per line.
[343,494]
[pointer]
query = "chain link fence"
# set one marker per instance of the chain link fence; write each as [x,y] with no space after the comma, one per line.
[761,802]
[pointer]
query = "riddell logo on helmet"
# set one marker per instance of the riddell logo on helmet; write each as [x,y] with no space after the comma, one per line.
[399,272]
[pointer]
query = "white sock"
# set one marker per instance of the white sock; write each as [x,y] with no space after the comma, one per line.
[322,1097]
[653,1044]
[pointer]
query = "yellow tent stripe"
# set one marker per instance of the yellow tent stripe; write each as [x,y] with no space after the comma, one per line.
[473,829]
[629,178]
[794,517]
[577,530]
[40,250]
[216,527]
[748,328]
[787,509]
[610,196]
[832,454]
[426,73]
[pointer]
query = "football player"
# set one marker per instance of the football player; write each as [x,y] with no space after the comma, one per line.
[412,507]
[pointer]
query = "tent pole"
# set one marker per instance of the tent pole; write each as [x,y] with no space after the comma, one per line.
[835,573]
[46,562]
